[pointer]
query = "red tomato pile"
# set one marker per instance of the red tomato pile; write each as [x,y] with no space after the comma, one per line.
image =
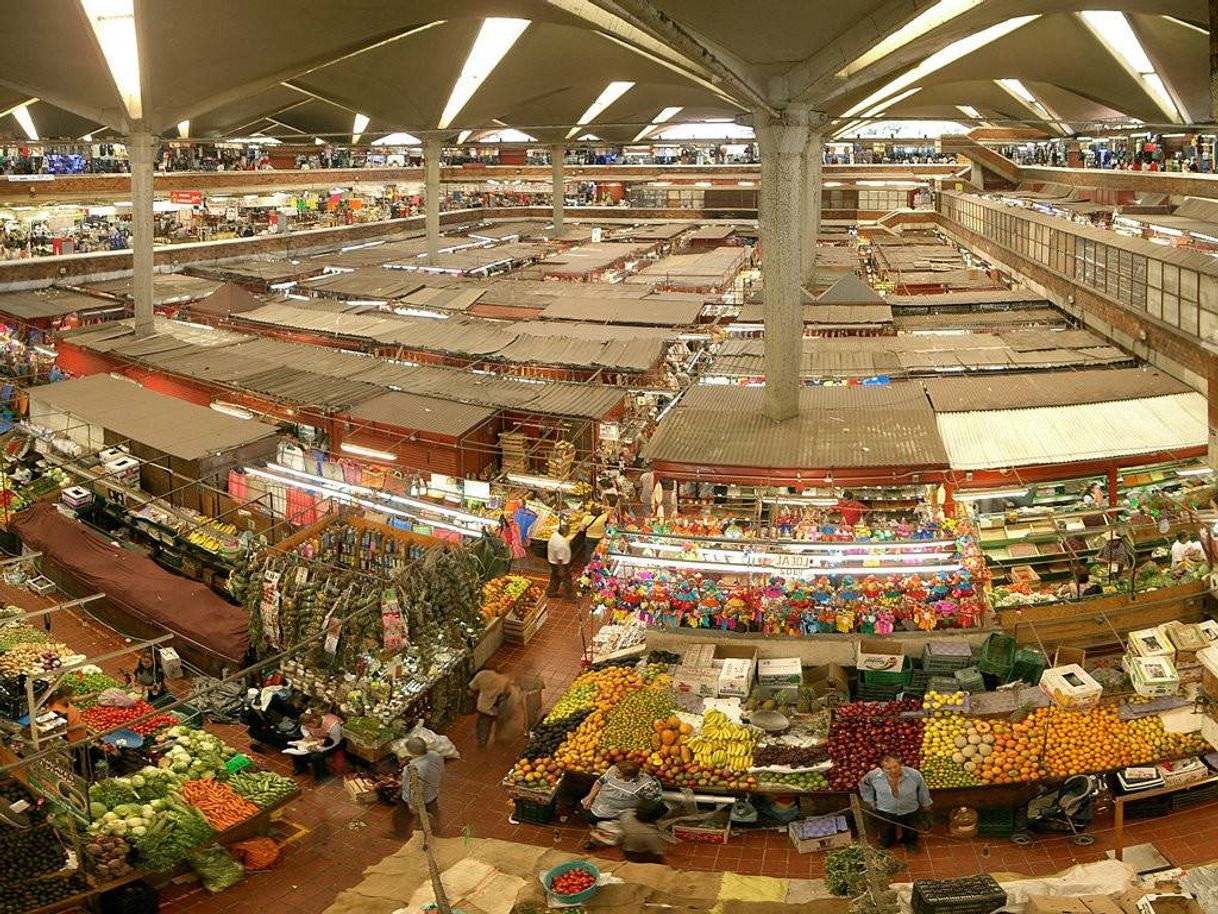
[572,882]
[99,718]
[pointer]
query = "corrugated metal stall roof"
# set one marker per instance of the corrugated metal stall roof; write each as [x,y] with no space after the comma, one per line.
[1022,391]
[365,282]
[981,296]
[660,313]
[979,320]
[422,413]
[836,428]
[1031,340]
[309,389]
[993,439]
[31,305]
[167,288]
[271,272]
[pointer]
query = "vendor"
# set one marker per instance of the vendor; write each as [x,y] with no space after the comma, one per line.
[149,678]
[1115,553]
[558,553]
[897,794]
[850,509]
[1186,549]
[320,734]
[500,707]
[63,703]
[623,787]
[602,517]
[1078,586]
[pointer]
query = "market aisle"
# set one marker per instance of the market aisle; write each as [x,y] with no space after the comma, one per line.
[328,840]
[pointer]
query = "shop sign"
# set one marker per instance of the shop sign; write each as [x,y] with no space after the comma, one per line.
[269,607]
[28,178]
[193,197]
[392,623]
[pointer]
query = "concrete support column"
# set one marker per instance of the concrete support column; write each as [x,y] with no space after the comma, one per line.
[814,158]
[557,187]
[1213,11]
[433,148]
[141,152]
[780,211]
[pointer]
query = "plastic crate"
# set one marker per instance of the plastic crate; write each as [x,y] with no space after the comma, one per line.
[945,656]
[969,680]
[944,685]
[996,823]
[899,677]
[997,655]
[533,813]
[878,692]
[972,895]
[1029,664]
[188,714]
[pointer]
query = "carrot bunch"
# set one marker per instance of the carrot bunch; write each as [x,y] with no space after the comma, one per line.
[221,806]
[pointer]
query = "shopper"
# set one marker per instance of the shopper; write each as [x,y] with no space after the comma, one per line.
[647,485]
[595,531]
[428,765]
[558,552]
[897,794]
[500,707]
[642,841]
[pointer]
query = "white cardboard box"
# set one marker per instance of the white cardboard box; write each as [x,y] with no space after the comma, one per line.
[879,655]
[1070,686]
[779,672]
[1152,676]
[171,663]
[736,678]
[1150,642]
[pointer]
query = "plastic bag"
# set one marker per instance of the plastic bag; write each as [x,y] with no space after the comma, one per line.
[115,698]
[256,853]
[436,742]
[216,868]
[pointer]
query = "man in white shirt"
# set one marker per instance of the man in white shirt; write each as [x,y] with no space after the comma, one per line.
[1185,547]
[558,552]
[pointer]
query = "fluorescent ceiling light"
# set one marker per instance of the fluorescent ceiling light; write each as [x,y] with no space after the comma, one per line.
[357,128]
[969,111]
[843,131]
[1195,471]
[589,138]
[494,40]
[882,107]
[361,451]
[941,59]
[611,93]
[663,117]
[113,22]
[463,136]
[928,21]
[184,128]
[22,114]
[992,493]
[1115,33]
[1017,90]
[1187,25]
[318,141]
[230,409]
[87,138]
[398,139]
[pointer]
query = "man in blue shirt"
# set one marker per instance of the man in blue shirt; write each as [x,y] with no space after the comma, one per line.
[429,766]
[897,794]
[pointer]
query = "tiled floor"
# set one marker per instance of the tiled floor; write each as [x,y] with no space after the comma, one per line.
[329,840]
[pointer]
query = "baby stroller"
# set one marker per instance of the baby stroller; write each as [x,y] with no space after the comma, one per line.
[1068,808]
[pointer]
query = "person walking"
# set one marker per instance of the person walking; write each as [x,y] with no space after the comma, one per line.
[429,766]
[898,794]
[500,707]
[558,552]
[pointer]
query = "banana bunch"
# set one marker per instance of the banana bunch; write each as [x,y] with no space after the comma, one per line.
[722,744]
[205,541]
[220,529]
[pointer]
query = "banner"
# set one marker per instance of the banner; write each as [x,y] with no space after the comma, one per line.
[193,197]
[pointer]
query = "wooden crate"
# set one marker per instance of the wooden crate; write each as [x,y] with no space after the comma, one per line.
[520,629]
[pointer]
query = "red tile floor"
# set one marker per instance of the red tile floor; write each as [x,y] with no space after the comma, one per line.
[328,840]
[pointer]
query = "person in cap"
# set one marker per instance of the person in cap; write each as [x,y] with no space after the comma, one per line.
[429,766]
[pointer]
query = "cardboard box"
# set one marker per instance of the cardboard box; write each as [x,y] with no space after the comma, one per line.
[171,663]
[1168,904]
[736,678]
[1073,904]
[879,655]
[1070,686]
[779,672]
[361,790]
[840,838]
[1209,628]
[828,678]
[1149,642]
[1152,676]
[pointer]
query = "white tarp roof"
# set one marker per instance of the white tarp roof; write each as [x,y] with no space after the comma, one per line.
[1065,434]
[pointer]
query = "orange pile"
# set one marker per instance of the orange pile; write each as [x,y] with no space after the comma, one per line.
[1017,752]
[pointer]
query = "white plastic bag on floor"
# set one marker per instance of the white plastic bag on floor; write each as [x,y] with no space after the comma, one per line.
[436,742]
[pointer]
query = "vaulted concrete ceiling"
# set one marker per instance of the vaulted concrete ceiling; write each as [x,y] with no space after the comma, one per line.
[304,68]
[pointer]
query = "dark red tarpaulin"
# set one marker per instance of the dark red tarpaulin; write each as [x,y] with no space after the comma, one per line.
[137,585]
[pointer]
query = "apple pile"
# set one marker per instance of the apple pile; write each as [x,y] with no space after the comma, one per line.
[862,732]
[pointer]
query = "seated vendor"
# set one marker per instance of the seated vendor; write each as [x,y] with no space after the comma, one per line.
[320,734]
[1078,586]
[149,678]
[623,787]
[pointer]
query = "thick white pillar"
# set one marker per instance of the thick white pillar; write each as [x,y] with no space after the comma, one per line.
[814,158]
[433,148]
[557,187]
[141,154]
[780,211]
